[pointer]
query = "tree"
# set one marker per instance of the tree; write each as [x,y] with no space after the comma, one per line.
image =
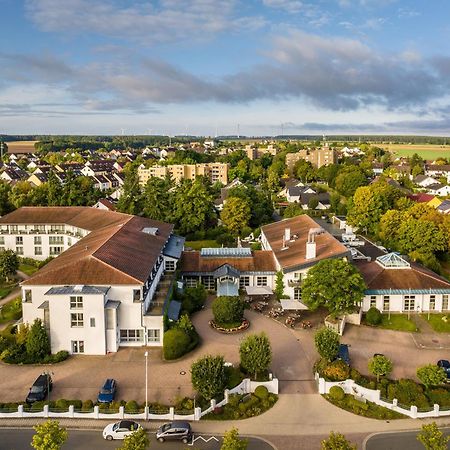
[380,365]
[236,215]
[38,343]
[335,284]
[255,353]
[208,376]
[279,285]
[130,201]
[232,441]
[337,441]
[228,310]
[432,438]
[313,202]
[304,171]
[49,436]
[292,210]
[5,203]
[327,343]
[349,179]
[157,199]
[54,190]
[9,263]
[431,375]
[136,441]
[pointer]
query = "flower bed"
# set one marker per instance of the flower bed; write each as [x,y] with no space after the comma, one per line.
[225,328]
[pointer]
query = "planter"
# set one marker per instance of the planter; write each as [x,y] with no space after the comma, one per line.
[242,327]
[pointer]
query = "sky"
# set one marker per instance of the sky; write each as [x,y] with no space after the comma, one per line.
[224,67]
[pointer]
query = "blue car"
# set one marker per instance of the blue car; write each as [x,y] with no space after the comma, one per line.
[446,366]
[344,354]
[107,392]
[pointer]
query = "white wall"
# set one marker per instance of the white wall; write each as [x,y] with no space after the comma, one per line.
[396,303]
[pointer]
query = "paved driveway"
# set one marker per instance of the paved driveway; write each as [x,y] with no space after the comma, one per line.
[80,377]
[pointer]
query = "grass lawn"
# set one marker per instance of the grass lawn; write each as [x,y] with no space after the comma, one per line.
[11,310]
[436,322]
[28,269]
[5,290]
[397,322]
[426,151]
[198,245]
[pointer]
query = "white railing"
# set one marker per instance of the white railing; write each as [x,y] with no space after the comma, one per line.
[374,396]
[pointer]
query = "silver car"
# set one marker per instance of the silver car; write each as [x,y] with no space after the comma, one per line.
[175,431]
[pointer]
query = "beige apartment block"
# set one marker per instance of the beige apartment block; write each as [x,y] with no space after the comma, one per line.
[254,152]
[216,172]
[318,157]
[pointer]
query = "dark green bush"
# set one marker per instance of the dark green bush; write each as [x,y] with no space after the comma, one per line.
[194,299]
[62,404]
[408,393]
[261,392]
[373,316]
[440,396]
[131,406]
[228,310]
[176,343]
[336,393]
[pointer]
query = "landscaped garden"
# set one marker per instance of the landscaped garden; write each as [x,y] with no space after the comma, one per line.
[396,322]
[11,311]
[439,322]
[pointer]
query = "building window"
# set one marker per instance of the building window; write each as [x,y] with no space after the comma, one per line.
[19,250]
[110,319]
[297,294]
[27,296]
[408,302]
[170,265]
[76,320]
[191,281]
[76,302]
[136,295]
[131,336]
[432,302]
[77,346]
[37,240]
[57,228]
[92,322]
[19,240]
[386,303]
[373,301]
[2,249]
[69,241]
[445,302]
[244,280]
[209,283]
[56,240]
[261,281]
[38,251]
[56,250]
[14,229]
[40,228]
[154,335]
[2,240]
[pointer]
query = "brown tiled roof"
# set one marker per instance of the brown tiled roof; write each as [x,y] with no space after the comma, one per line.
[295,255]
[416,277]
[116,251]
[261,261]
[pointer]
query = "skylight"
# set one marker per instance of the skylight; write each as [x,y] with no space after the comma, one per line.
[226,252]
[393,261]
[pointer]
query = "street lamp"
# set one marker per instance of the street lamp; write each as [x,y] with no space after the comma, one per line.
[146,379]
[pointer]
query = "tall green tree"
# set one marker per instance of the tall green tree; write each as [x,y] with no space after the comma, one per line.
[130,201]
[335,284]
[235,215]
[49,436]
[208,376]
[432,438]
[327,343]
[232,441]
[431,375]
[380,365]
[136,441]
[5,204]
[337,441]
[9,264]
[256,353]
[54,190]
[157,199]
[349,179]
[38,343]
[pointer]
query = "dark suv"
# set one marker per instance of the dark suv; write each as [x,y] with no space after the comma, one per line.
[40,388]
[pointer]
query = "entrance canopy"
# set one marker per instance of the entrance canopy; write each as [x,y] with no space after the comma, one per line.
[258,290]
[292,305]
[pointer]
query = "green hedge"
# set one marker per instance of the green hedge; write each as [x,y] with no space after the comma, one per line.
[176,343]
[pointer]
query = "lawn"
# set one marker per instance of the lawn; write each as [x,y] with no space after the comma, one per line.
[397,322]
[28,269]
[5,290]
[11,310]
[425,151]
[436,322]
[198,245]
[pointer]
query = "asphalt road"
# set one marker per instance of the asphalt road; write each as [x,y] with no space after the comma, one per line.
[395,441]
[19,439]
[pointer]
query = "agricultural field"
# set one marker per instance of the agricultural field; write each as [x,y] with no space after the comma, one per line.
[21,146]
[426,151]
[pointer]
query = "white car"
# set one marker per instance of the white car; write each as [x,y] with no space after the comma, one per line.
[120,430]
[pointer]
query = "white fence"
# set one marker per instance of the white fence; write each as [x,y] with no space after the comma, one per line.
[374,396]
[245,387]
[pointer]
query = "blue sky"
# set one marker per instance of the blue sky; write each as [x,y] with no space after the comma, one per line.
[205,66]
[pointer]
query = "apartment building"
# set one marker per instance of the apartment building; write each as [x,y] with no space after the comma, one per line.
[216,172]
[318,157]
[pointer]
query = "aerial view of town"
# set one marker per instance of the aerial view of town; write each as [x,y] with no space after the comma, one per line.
[224,225]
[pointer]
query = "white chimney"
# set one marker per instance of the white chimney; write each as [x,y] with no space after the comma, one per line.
[310,250]
[287,234]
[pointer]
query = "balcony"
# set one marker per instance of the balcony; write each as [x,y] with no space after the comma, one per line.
[295,283]
[156,306]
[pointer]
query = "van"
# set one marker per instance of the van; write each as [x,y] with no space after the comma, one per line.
[175,431]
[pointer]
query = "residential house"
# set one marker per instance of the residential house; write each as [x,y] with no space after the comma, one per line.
[14,175]
[439,189]
[105,204]
[377,168]
[424,180]
[220,202]
[438,170]
[294,193]
[444,207]
[100,293]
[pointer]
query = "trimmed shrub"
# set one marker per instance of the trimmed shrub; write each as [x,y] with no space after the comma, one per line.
[337,371]
[373,316]
[261,392]
[87,406]
[228,310]
[337,393]
[408,393]
[131,406]
[439,396]
[175,343]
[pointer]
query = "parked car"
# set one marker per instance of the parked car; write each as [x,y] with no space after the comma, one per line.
[446,366]
[120,430]
[343,354]
[40,388]
[108,391]
[178,430]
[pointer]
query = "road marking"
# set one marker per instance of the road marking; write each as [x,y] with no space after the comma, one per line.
[212,438]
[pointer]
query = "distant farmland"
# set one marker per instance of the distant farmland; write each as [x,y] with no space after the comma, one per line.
[21,146]
[426,151]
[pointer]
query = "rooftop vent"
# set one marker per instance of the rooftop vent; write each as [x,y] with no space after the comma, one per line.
[151,230]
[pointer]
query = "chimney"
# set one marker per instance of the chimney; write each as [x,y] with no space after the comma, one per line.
[287,234]
[310,250]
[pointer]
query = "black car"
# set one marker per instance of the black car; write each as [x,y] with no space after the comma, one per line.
[178,430]
[40,388]
[446,366]
[343,354]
